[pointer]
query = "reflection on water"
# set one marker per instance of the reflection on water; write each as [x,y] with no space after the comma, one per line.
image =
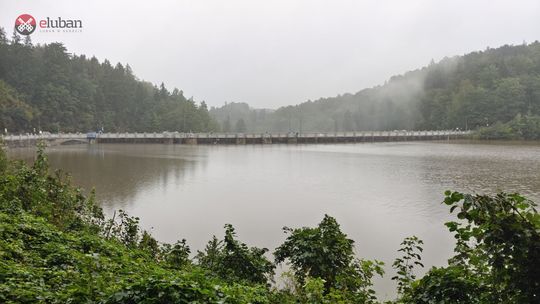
[120,172]
[379,192]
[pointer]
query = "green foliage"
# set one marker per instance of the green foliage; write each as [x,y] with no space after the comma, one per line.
[56,247]
[3,159]
[355,285]
[314,290]
[149,245]
[192,287]
[466,92]
[411,247]
[453,284]
[45,87]
[497,253]
[228,114]
[177,255]
[211,257]
[41,263]
[497,131]
[498,239]
[521,127]
[32,189]
[15,114]
[482,89]
[324,255]
[234,261]
[129,229]
[125,229]
[324,252]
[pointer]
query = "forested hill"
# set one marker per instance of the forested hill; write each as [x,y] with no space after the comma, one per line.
[466,92]
[240,117]
[46,88]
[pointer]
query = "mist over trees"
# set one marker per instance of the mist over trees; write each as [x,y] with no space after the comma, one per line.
[233,113]
[44,87]
[465,92]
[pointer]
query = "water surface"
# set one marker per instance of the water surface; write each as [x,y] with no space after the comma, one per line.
[379,192]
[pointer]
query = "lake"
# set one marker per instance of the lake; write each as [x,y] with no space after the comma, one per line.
[378,192]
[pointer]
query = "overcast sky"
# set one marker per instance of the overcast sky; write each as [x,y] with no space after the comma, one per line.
[273,53]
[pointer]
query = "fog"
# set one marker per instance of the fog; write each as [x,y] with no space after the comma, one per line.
[275,53]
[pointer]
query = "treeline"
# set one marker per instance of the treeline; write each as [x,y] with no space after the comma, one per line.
[46,88]
[520,128]
[466,92]
[240,117]
[482,88]
[43,87]
[56,246]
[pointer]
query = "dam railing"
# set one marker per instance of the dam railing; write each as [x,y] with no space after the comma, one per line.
[232,138]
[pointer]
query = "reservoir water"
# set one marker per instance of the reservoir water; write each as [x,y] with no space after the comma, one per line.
[378,192]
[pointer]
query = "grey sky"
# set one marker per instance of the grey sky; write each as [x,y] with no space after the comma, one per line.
[273,53]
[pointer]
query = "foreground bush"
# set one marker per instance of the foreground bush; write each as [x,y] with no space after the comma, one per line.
[497,253]
[57,247]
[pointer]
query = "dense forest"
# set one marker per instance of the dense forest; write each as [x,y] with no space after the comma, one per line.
[234,116]
[467,92]
[44,87]
[56,246]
